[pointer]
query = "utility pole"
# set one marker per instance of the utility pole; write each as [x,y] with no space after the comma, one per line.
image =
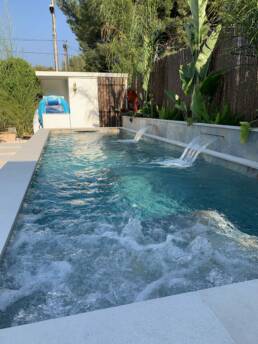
[66,58]
[53,15]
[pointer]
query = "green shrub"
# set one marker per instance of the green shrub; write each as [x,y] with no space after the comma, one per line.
[149,110]
[19,91]
[180,110]
[9,110]
[224,115]
[244,131]
[172,114]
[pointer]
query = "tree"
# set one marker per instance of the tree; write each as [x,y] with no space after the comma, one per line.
[42,68]
[6,43]
[84,17]
[77,63]
[196,82]
[120,35]
[19,91]
[242,14]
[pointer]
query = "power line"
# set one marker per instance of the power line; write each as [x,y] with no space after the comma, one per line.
[32,52]
[30,39]
[71,47]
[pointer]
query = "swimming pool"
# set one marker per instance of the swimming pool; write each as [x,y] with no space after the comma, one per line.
[103,225]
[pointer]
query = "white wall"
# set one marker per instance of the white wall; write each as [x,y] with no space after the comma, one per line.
[57,87]
[58,121]
[84,102]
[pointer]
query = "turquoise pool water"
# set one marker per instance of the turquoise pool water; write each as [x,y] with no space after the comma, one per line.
[103,225]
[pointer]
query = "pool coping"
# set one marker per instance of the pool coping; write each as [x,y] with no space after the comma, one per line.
[250,165]
[220,315]
[15,178]
[226,314]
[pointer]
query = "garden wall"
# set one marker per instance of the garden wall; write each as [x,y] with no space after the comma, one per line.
[239,88]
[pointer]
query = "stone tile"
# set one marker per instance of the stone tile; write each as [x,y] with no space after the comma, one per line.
[181,319]
[236,306]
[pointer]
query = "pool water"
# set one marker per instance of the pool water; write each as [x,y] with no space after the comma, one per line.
[103,225]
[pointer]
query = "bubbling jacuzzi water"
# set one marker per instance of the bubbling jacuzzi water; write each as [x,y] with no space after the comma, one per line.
[102,225]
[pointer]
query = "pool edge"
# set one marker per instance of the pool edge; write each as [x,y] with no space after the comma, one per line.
[240,165]
[225,315]
[15,178]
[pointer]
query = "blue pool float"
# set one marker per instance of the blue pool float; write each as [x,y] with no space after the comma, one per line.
[52,104]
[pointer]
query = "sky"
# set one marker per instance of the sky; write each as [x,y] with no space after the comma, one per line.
[31,19]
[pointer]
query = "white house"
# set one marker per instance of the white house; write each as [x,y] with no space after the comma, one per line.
[81,90]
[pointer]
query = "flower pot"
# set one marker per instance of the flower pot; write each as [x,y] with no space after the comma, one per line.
[244,132]
[189,121]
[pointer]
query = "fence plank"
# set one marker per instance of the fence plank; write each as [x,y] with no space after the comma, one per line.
[239,88]
[111,94]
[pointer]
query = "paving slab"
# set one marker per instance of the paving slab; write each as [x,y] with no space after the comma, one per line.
[222,315]
[7,150]
[237,308]
[180,319]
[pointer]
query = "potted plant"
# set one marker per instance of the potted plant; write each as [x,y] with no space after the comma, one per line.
[244,131]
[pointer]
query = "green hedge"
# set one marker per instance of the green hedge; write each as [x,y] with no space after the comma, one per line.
[19,92]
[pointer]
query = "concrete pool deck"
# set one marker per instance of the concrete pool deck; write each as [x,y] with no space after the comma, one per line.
[224,315]
[221,315]
[8,150]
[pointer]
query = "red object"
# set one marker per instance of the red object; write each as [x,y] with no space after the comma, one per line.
[133,100]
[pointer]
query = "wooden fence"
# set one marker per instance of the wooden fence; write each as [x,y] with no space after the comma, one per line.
[239,88]
[111,95]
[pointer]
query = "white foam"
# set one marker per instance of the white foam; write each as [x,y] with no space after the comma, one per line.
[7,297]
[106,265]
[190,154]
[137,137]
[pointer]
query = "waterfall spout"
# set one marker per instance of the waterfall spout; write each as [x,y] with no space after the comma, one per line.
[138,135]
[141,132]
[191,152]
